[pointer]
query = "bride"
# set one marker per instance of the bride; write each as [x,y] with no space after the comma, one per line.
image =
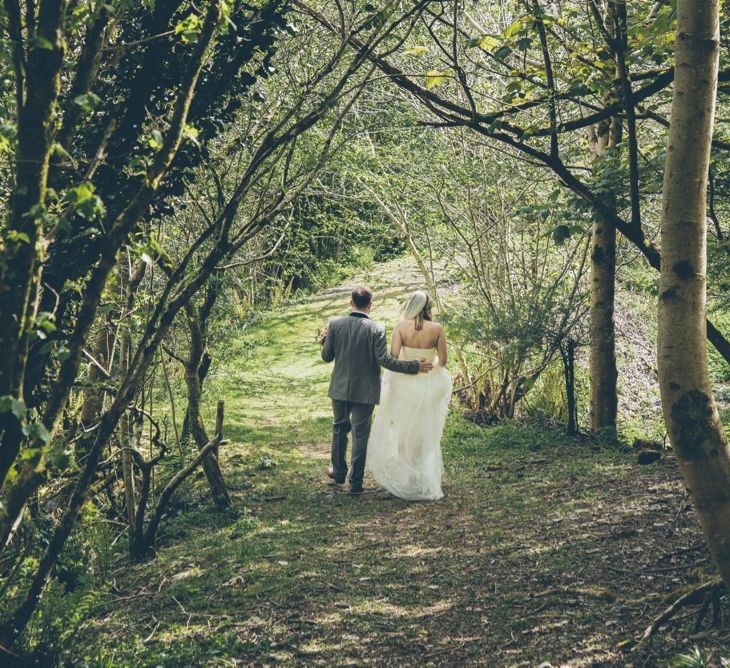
[404,452]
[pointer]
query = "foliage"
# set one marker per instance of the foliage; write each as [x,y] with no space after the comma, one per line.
[559,526]
[159,248]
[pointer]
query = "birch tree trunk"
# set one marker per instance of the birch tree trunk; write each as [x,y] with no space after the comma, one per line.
[603,395]
[690,412]
[604,136]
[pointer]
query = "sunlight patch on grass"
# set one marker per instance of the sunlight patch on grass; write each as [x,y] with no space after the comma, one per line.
[415,552]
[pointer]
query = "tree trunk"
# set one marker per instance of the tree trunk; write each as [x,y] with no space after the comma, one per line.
[128,440]
[19,263]
[202,374]
[690,412]
[94,395]
[129,430]
[603,394]
[603,375]
[567,352]
[195,390]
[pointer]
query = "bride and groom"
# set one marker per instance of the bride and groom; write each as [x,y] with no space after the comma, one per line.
[403,448]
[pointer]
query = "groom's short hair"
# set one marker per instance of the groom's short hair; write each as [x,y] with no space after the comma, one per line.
[362,296]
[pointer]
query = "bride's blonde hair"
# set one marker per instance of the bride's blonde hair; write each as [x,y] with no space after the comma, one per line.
[418,307]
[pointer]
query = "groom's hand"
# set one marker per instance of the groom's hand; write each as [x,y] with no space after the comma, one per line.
[424,366]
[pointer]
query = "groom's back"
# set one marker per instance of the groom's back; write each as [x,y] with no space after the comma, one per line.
[351,343]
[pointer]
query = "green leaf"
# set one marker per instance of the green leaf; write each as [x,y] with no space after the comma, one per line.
[17,237]
[80,194]
[502,52]
[58,456]
[189,28]
[513,29]
[9,404]
[8,133]
[435,78]
[88,102]
[191,133]
[37,430]
[44,324]
[29,453]
[85,201]
[488,43]
[155,140]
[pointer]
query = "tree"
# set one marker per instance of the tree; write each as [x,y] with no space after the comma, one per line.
[559,85]
[690,412]
[146,120]
[604,139]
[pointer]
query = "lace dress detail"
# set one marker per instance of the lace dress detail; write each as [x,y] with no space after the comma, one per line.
[404,451]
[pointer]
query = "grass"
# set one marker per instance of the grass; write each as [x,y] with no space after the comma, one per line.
[543,549]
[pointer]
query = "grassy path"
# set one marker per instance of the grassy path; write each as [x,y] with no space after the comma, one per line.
[544,549]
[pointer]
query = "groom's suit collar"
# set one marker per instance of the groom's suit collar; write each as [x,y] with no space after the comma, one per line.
[359,314]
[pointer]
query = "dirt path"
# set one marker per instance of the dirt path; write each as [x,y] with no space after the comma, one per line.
[544,549]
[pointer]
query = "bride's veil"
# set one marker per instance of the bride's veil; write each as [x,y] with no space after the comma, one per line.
[414,305]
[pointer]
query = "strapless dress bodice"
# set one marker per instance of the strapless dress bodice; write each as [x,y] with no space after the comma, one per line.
[408,353]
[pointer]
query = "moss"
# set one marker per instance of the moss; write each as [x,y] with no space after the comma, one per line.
[692,415]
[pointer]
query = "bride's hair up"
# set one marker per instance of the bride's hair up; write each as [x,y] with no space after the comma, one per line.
[418,308]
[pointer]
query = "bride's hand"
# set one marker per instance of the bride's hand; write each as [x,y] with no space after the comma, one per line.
[424,366]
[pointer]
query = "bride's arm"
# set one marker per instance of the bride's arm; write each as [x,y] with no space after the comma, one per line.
[396,342]
[441,347]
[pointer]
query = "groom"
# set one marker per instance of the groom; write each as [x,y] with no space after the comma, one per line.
[358,346]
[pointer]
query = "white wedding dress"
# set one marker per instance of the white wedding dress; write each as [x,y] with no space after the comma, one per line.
[404,450]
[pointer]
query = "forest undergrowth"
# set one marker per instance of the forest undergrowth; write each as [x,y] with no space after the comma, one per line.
[544,548]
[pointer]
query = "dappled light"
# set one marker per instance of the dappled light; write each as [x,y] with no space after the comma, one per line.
[341,333]
[525,557]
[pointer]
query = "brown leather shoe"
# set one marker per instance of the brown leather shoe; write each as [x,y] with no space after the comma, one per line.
[331,475]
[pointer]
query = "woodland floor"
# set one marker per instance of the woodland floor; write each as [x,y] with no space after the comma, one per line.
[544,549]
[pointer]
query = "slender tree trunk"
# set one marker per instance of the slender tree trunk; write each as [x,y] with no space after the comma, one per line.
[202,374]
[127,438]
[603,374]
[690,412]
[94,395]
[192,381]
[567,352]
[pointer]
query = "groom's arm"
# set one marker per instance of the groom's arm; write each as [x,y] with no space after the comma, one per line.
[328,347]
[385,359]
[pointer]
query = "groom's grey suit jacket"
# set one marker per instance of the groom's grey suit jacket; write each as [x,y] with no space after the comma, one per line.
[358,346]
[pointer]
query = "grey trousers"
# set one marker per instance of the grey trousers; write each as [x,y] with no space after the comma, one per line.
[350,416]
